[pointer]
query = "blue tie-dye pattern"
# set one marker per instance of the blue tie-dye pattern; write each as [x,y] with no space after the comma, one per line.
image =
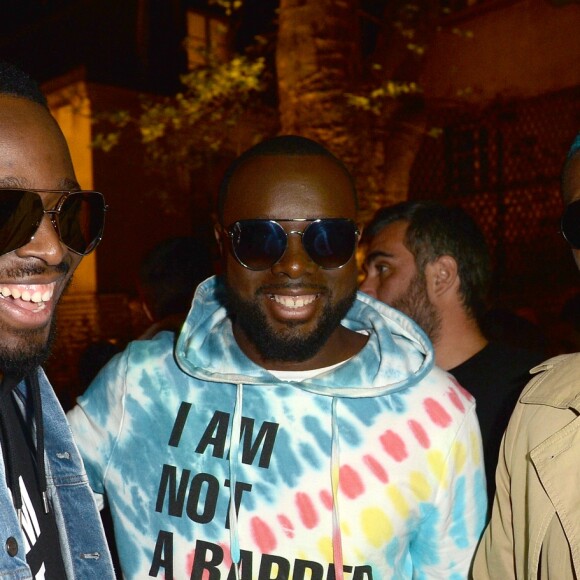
[320,435]
[459,526]
[366,415]
[309,456]
[424,545]
[289,466]
[481,500]
[392,552]
[349,433]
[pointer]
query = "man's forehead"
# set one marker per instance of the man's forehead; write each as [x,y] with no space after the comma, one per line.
[304,185]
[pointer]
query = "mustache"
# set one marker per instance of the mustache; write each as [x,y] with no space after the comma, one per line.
[271,288]
[34,270]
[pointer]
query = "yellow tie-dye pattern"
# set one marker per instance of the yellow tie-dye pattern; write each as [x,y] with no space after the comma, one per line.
[475,448]
[398,500]
[377,527]
[325,548]
[460,456]
[436,463]
[420,486]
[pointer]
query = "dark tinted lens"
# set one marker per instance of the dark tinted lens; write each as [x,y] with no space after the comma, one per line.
[258,244]
[20,215]
[570,224]
[330,242]
[81,221]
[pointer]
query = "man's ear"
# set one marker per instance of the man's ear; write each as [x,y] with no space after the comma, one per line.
[218,235]
[441,276]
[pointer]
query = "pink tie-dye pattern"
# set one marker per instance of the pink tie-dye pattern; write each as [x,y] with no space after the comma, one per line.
[206,573]
[263,536]
[227,555]
[376,468]
[394,445]
[350,482]
[437,413]
[420,434]
[326,499]
[307,511]
[287,525]
[455,400]
[466,394]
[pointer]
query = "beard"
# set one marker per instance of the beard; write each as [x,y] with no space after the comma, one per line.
[31,347]
[289,344]
[32,350]
[415,303]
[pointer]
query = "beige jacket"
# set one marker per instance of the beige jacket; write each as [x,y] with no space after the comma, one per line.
[534,531]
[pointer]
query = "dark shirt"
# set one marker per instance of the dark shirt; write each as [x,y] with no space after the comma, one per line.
[43,553]
[495,376]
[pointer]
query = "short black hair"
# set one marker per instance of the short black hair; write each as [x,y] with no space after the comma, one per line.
[283,145]
[435,230]
[170,273]
[14,81]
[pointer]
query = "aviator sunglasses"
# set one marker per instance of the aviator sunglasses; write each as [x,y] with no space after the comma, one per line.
[258,244]
[570,224]
[78,218]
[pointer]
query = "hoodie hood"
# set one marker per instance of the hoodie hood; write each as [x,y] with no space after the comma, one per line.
[397,355]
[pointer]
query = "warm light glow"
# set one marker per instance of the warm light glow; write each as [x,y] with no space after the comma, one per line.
[71,108]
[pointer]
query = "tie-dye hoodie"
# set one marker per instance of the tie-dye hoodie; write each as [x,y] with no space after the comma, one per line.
[372,470]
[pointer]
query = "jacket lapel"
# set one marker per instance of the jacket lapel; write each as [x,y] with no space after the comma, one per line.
[557,462]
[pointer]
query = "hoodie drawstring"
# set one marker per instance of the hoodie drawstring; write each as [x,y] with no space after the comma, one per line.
[335,481]
[234,447]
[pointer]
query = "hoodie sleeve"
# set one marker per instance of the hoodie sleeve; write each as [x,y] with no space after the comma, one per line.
[97,419]
[451,528]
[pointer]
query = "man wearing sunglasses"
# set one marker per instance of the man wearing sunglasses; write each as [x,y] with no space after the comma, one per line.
[297,430]
[49,526]
[533,532]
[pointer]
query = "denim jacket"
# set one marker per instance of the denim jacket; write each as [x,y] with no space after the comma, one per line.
[83,544]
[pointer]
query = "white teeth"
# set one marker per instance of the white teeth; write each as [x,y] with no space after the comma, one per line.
[294,302]
[36,296]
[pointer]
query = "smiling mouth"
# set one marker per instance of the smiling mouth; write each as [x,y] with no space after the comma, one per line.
[37,294]
[294,301]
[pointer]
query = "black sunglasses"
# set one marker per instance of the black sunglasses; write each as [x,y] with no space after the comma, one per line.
[78,218]
[570,224]
[259,244]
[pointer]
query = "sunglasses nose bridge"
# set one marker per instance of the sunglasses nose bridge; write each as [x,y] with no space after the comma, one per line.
[295,259]
[52,215]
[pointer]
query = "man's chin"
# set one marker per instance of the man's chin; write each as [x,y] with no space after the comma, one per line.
[292,344]
[29,350]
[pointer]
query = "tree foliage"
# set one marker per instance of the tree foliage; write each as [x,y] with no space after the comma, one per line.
[201,118]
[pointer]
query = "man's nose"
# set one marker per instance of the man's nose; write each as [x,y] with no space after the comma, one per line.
[368,287]
[45,244]
[295,261]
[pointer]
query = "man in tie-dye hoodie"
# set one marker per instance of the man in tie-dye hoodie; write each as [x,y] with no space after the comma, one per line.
[298,430]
